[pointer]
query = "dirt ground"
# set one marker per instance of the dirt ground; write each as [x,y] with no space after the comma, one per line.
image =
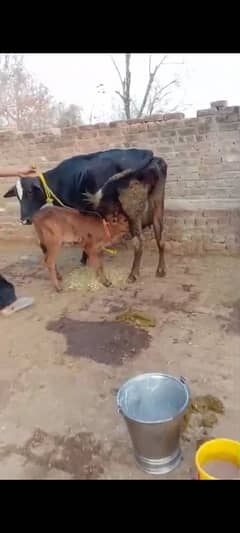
[63,360]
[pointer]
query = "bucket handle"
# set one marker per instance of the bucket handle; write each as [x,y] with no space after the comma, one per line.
[184,382]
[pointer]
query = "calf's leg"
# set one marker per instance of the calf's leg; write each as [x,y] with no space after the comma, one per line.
[50,253]
[45,253]
[95,260]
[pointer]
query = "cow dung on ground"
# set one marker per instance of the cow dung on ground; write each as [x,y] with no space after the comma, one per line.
[201,416]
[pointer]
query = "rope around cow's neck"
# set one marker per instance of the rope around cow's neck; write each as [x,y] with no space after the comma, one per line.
[50,196]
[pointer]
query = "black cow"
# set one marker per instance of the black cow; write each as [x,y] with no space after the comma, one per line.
[73,177]
[77,182]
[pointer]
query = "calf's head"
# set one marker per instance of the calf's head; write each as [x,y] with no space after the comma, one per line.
[118,224]
[30,196]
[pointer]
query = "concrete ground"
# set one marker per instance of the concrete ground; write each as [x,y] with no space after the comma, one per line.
[63,360]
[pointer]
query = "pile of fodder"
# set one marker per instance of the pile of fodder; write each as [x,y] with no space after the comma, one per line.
[84,278]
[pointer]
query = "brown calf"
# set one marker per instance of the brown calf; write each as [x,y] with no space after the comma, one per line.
[58,225]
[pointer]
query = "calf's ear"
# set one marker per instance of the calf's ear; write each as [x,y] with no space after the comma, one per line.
[10,193]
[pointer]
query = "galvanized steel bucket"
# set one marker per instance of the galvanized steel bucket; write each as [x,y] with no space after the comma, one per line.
[153,406]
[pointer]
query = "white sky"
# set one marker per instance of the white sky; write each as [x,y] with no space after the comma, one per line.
[73,78]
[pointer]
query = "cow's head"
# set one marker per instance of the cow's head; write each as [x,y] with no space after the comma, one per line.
[30,195]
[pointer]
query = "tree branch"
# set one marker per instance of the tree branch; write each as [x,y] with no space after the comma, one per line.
[118,71]
[167,85]
[127,86]
[152,76]
[158,96]
[121,95]
[154,94]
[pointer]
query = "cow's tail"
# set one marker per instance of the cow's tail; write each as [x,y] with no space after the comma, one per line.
[122,177]
[95,198]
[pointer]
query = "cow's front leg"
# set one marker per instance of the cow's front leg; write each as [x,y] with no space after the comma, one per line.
[84,259]
[137,239]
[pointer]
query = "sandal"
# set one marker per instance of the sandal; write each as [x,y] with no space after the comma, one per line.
[20,303]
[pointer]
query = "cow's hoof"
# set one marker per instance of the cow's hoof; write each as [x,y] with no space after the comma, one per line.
[59,288]
[107,283]
[132,278]
[84,260]
[161,273]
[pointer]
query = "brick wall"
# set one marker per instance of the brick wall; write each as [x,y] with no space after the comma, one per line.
[203,156]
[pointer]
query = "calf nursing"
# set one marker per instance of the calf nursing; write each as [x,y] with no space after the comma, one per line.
[58,225]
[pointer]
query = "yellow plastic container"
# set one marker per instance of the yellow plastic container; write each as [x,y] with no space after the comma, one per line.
[217,449]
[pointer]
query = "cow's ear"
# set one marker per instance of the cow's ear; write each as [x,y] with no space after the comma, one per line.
[10,193]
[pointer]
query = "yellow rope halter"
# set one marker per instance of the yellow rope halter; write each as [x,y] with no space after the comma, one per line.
[50,196]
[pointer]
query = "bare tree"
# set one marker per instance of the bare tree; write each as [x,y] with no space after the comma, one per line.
[24,102]
[69,116]
[155,93]
[125,85]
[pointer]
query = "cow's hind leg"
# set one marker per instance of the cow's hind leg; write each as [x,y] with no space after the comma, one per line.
[137,239]
[158,229]
[161,268]
[133,201]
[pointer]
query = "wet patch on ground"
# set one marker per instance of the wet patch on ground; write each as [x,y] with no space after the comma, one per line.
[80,455]
[107,342]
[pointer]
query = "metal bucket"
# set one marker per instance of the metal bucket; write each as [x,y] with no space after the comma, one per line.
[153,406]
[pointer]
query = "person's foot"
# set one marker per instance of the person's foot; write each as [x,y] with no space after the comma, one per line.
[20,303]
